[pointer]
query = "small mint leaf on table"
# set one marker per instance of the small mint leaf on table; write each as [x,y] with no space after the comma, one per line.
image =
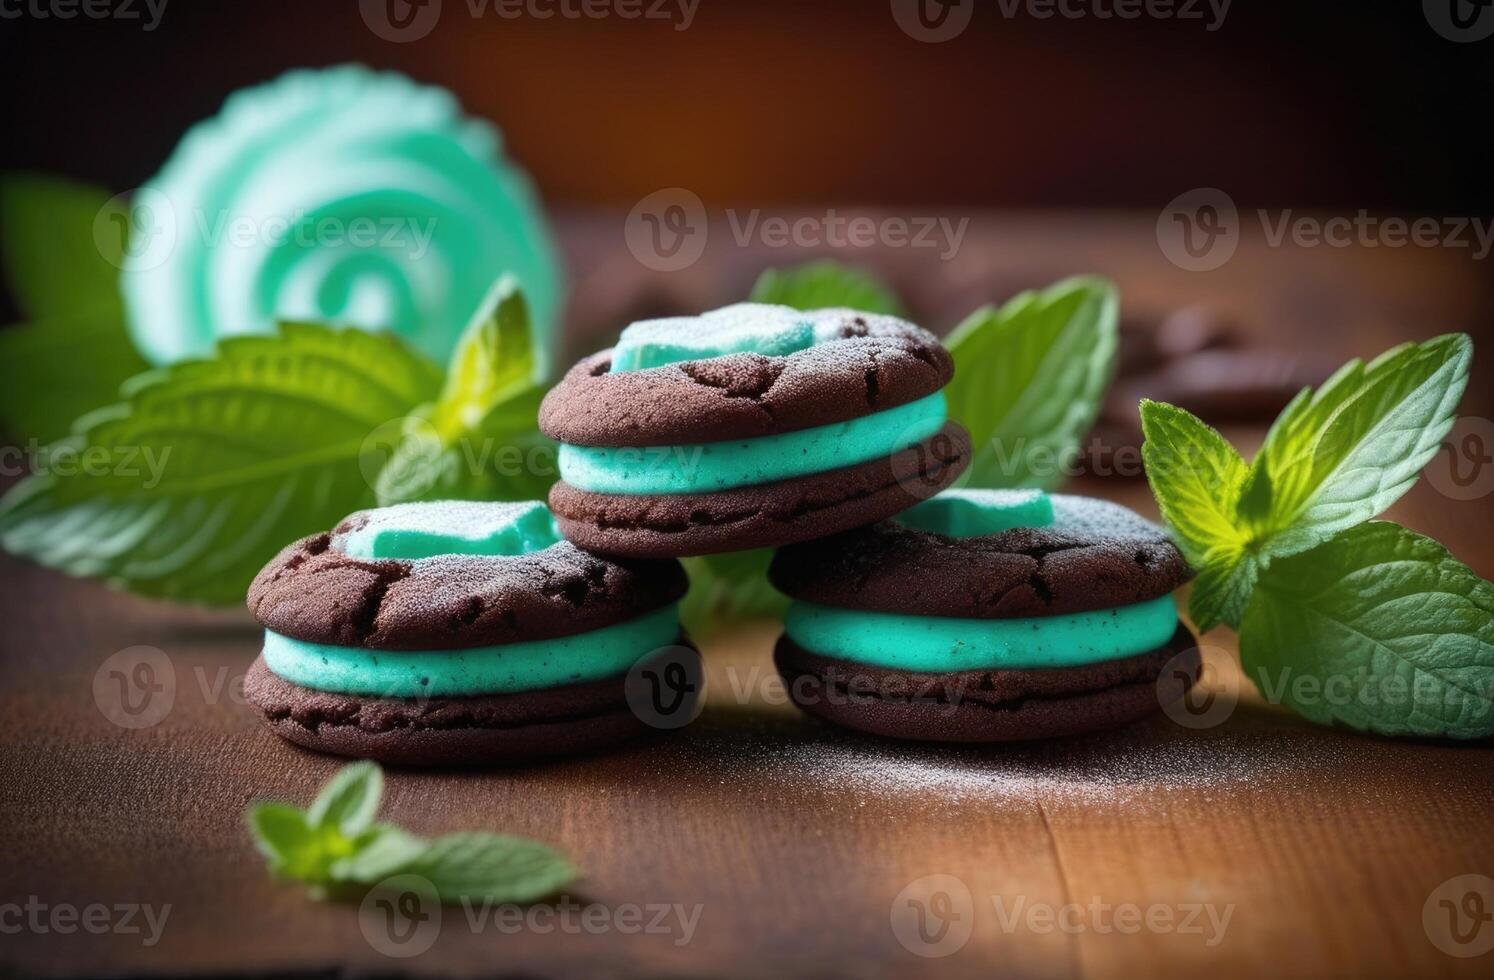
[1029,380]
[287,840]
[207,468]
[492,867]
[479,440]
[76,352]
[822,284]
[1197,478]
[349,801]
[379,852]
[1390,632]
[334,847]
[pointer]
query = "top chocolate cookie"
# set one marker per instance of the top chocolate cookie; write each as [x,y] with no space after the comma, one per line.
[741,372]
[451,575]
[988,555]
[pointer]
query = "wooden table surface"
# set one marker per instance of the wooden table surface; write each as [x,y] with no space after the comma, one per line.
[768,842]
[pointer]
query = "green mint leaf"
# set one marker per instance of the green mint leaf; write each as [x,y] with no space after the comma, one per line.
[1379,629]
[1344,454]
[492,867]
[53,261]
[1030,377]
[1197,478]
[208,467]
[78,352]
[379,852]
[493,359]
[349,800]
[1222,589]
[283,835]
[480,440]
[825,283]
[56,370]
[729,587]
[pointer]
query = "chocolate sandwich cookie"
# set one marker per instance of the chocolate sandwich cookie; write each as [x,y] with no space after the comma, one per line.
[985,615]
[455,633]
[750,426]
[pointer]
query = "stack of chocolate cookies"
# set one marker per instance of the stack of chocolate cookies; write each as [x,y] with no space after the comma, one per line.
[466,633]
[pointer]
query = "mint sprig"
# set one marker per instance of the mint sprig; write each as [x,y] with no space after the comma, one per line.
[478,440]
[1334,458]
[1029,379]
[336,847]
[1368,625]
[206,468]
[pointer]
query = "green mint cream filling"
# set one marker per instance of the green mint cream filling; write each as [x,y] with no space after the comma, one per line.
[605,652]
[711,466]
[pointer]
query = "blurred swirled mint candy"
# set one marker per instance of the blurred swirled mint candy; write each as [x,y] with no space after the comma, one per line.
[342,195]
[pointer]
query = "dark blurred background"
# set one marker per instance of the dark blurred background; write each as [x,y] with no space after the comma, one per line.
[790,102]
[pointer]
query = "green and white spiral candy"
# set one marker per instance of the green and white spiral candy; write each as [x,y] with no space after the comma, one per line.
[340,195]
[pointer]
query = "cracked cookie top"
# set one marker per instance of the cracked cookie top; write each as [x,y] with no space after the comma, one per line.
[745,371]
[451,575]
[1092,554]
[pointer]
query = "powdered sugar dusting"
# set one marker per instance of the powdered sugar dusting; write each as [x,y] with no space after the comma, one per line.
[1153,760]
